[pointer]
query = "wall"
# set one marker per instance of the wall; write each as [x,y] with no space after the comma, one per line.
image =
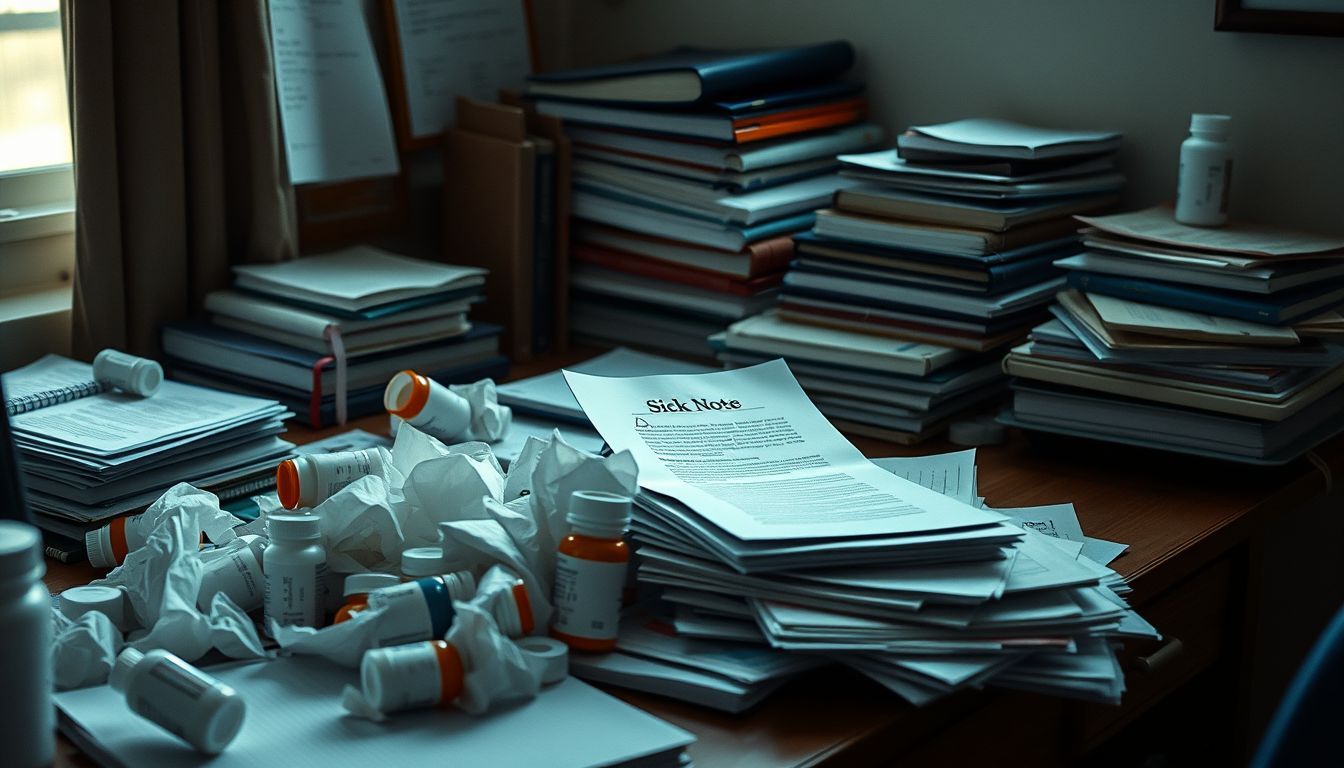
[1140,66]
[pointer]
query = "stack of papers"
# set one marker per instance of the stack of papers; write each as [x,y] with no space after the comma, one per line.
[761,523]
[97,457]
[1220,342]
[903,391]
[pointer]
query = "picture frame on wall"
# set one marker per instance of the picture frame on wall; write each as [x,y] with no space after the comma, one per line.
[1287,17]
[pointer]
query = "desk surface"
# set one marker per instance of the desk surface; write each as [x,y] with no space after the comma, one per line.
[1177,515]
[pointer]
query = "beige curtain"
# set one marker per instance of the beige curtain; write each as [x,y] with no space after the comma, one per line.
[179,166]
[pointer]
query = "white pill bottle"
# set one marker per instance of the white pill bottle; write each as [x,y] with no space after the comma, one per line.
[28,728]
[294,565]
[1205,182]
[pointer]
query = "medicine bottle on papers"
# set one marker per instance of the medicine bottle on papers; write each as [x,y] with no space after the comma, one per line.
[237,573]
[306,481]
[405,677]
[590,571]
[428,406]
[357,589]
[512,610]
[1205,181]
[180,698]
[135,375]
[420,609]
[294,565]
[28,727]
[108,545]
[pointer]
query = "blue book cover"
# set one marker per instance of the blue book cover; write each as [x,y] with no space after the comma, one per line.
[709,75]
[1055,249]
[1001,278]
[1279,309]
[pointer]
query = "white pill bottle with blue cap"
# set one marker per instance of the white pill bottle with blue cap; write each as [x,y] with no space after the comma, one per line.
[28,728]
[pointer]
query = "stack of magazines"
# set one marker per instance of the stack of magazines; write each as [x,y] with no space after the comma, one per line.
[1217,342]
[323,334]
[691,170]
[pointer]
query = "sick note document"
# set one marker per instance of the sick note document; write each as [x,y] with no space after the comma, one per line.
[750,453]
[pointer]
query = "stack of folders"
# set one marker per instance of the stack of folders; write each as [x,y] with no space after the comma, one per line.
[940,258]
[292,330]
[1217,342]
[1022,604]
[691,170]
[93,457]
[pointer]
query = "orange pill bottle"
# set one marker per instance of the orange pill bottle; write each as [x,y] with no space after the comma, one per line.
[590,569]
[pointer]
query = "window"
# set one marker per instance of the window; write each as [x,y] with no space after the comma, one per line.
[36,183]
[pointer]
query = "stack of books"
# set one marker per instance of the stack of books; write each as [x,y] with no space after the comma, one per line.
[293,330]
[691,170]
[1216,342]
[907,291]
[89,454]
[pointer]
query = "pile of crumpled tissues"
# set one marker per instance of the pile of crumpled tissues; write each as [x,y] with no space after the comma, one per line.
[488,518]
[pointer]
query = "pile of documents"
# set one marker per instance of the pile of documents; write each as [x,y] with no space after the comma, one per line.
[323,334]
[685,199]
[762,524]
[1218,342]
[936,260]
[93,458]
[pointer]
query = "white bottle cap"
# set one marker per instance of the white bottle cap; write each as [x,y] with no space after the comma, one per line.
[109,601]
[364,583]
[20,551]
[293,527]
[599,513]
[1215,126]
[551,654]
[121,670]
[136,375]
[419,562]
[461,585]
[98,546]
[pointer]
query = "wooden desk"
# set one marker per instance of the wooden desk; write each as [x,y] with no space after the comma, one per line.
[1192,527]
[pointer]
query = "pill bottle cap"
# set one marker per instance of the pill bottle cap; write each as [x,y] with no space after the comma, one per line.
[422,561]
[137,375]
[1213,126]
[599,513]
[461,585]
[121,670]
[287,485]
[20,551]
[364,583]
[406,394]
[109,601]
[293,527]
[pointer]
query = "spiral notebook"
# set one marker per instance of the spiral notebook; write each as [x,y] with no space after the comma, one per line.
[51,380]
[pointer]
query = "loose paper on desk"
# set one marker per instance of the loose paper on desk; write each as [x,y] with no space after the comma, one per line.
[452,48]
[750,453]
[333,107]
[1157,225]
[1177,323]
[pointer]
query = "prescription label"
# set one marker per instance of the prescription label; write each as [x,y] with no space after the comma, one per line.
[292,594]
[588,597]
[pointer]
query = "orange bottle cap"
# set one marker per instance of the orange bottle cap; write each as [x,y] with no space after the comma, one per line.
[406,394]
[451,672]
[287,484]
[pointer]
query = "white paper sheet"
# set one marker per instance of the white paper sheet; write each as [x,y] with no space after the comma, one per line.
[951,474]
[748,451]
[332,104]
[452,48]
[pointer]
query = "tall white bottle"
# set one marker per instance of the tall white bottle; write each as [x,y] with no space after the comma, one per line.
[1206,172]
[28,727]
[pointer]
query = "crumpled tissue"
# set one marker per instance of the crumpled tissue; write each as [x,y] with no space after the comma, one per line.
[525,532]
[368,524]
[346,643]
[489,419]
[84,650]
[163,578]
[495,669]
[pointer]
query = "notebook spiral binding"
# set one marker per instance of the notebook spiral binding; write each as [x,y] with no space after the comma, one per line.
[26,403]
